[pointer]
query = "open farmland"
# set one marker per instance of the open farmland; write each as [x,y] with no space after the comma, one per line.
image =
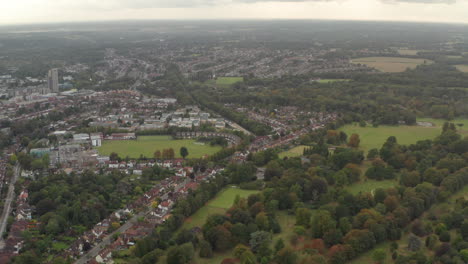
[147,145]
[390,64]
[408,51]
[462,68]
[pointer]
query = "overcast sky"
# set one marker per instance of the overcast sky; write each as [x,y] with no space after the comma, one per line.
[35,11]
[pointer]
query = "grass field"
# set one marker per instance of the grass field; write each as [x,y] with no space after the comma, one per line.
[370,185]
[226,81]
[390,64]
[147,145]
[463,130]
[374,137]
[294,152]
[217,205]
[462,68]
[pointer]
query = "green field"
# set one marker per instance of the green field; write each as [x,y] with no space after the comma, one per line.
[374,137]
[226,81]
[218,205]
[370,185]
[294,152]
[462,68]
[147,145]
[391,64]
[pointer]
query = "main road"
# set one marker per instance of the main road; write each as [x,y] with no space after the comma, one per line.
[7,205]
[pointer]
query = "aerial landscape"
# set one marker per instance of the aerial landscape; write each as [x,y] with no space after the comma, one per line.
[201,137]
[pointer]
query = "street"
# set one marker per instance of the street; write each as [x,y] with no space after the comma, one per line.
[7,207]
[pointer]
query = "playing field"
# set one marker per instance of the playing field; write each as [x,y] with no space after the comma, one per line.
[462,68]
[147,145]
[225,81]
[217,205]
[294,152]
[374,137]
[390,64]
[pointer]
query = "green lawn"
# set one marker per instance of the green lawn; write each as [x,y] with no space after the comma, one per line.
[370,185]
[147,145]
[225,81]
[218,205]
[294,152]
[463,129]
[374,137]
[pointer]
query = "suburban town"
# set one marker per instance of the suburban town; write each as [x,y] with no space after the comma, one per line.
[70,149]
[233,141]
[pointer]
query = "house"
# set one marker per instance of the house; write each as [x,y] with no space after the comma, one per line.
[80,138]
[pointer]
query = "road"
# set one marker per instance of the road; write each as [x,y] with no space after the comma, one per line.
[239,128]
[7,206]
[92,253]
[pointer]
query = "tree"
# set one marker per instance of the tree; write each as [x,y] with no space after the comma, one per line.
[184,152]
[248,257]
[157,154]
[180,254]
[205,249]
[286,256]
[279,245]
[114,156]
[258,239]
[354,141]
[303,217]
[414,244]
[322,222]
[379,255]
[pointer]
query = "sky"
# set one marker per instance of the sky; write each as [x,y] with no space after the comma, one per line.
[47,11]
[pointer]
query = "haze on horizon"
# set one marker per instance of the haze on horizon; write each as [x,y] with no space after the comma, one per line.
[50,11]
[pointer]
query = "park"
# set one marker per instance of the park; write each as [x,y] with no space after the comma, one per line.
[147,145]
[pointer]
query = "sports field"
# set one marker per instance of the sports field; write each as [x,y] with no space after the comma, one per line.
[391,64]
[408,51]
[462,68]
[294,152]
[147,145]
[217,205]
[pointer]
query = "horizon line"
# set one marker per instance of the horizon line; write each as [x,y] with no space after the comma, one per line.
[224,19]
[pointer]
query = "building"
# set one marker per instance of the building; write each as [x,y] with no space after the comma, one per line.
[52,80]
[96,139]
